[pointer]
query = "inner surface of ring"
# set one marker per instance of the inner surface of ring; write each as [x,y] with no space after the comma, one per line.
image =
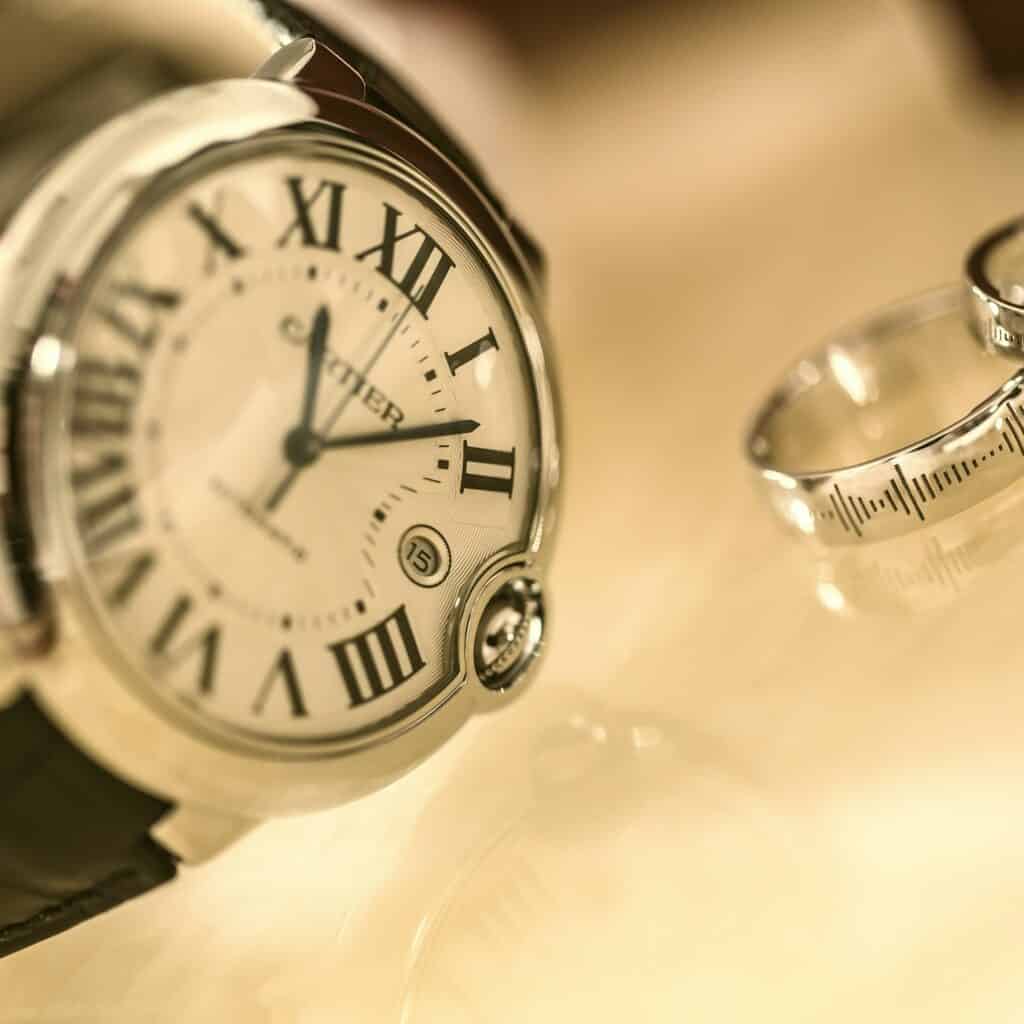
[874,393]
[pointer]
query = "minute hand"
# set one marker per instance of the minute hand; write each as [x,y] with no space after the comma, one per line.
[410,434]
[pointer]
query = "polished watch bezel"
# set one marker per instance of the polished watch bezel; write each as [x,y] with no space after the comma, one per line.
[53,243]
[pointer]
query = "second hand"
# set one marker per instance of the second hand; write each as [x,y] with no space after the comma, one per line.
[367,370]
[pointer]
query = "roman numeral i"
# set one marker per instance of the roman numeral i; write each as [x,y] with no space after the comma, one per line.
[475,349]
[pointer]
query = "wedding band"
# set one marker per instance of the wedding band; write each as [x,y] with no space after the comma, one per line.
[995,288]
[845,403]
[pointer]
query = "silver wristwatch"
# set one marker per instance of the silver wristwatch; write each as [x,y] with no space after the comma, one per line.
[282,444]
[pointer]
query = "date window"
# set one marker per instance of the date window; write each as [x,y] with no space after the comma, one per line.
[425,556]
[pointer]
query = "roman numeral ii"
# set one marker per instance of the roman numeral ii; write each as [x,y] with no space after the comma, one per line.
[484,469]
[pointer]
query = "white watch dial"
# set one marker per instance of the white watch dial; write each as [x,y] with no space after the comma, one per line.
[300,423]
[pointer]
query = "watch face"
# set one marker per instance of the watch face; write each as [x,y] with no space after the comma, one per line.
[300,424]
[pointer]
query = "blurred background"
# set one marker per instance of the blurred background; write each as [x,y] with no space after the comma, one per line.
[753,785]
[537,30]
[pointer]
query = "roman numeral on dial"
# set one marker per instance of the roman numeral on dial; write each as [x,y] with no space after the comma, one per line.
[103,408]
[221,243]
[134,311]
[130,578]
[475,349]
[484,469]
[107,509]
[104,521]
[164,644]
[104,398]
[379,660]
[318,213]
[282,674]
[423,275]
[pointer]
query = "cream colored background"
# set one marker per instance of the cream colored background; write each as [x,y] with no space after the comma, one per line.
[725,802]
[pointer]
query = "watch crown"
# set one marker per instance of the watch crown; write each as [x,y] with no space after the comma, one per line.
[510,633]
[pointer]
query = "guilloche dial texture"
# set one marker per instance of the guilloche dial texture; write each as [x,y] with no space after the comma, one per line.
[300,423]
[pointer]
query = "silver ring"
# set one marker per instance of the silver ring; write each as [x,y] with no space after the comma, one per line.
[854,399]
[995,288]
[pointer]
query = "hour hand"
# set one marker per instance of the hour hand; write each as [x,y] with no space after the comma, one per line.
[450,429]
[314,365]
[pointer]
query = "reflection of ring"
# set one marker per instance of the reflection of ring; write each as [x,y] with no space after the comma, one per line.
[995,288]
[854,399]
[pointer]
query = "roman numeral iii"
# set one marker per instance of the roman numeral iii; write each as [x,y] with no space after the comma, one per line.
[484,469]
[375,662]
[425,271]
[318,214]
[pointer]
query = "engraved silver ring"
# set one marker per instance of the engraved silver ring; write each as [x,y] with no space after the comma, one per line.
[851,448]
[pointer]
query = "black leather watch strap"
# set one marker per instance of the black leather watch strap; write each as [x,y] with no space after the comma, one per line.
[385,90]
[74,840]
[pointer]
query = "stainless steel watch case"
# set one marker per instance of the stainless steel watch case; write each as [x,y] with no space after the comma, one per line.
[54,644]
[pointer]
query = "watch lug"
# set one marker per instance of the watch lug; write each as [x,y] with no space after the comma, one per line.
[197,834]
[311,62]
[24,647]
